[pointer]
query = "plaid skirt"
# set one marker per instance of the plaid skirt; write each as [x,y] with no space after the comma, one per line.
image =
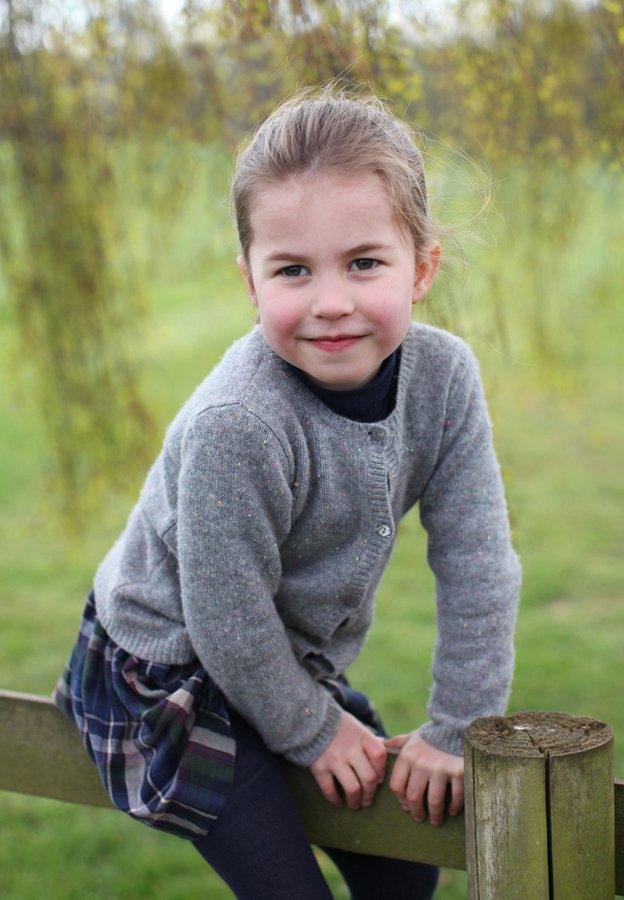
[160,734]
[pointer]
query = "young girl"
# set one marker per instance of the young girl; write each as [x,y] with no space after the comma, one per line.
[220,624]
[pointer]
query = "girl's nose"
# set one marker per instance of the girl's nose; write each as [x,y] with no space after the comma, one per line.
[331,298]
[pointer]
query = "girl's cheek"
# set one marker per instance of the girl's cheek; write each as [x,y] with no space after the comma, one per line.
[384,316]
[284,318]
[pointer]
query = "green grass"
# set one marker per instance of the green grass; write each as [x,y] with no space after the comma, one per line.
[559,436]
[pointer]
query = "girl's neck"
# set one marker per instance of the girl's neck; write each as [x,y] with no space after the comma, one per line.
[369,403]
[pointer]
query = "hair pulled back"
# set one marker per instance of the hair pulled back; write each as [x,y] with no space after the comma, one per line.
[319,130]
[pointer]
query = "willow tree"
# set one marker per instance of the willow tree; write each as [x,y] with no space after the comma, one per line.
[534,89]
[72,96]
[265,49]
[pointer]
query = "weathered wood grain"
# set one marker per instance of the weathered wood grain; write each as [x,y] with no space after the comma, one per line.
[540,807]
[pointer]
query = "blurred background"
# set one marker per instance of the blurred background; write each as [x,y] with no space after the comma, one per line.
[119,292]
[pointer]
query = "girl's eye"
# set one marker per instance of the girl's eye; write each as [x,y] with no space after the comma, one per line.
[284,271]
[365,259]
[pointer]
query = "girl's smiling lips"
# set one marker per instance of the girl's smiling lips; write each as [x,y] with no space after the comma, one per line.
[335,337]
[333,344]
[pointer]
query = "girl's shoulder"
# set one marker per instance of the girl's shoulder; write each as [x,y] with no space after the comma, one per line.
[435,352]
[248,375]
[440,339]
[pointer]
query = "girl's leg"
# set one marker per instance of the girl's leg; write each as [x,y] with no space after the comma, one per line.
[258,844]
[380,877]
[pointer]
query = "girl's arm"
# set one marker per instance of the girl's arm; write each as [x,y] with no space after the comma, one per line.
[478,574]
[234,511]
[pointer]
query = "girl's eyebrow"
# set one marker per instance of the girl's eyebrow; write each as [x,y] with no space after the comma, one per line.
[361,248]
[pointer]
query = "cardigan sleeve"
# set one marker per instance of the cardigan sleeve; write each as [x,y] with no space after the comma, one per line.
[234,511]
[477,572]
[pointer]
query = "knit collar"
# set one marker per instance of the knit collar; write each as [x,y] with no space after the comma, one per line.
[368,403]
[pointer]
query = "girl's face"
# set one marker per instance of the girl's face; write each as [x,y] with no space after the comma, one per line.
[327,261]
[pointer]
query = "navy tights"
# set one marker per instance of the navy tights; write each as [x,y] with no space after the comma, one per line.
[259,848]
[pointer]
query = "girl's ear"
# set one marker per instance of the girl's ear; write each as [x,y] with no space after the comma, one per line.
[425,271]
[242,265]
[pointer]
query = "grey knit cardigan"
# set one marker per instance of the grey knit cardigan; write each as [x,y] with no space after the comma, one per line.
[266,521]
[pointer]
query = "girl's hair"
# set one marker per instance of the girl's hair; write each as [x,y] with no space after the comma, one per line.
[316,130]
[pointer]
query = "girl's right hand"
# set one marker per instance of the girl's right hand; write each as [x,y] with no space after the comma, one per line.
[356,758]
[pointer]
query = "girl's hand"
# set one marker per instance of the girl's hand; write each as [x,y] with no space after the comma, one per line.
[418,765]
[356,758]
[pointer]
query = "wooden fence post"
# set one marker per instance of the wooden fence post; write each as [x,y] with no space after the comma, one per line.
[539,807]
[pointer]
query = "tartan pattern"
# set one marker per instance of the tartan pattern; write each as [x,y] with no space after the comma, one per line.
[159,734]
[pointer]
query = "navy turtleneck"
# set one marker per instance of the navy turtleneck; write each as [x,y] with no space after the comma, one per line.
[369,403]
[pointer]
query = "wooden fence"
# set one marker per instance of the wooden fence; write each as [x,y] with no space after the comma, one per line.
[543,817]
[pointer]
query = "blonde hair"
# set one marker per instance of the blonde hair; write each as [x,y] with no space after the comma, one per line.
[316,130]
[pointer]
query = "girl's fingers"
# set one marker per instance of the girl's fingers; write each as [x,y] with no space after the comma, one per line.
[457,802]
[399,779]
[367,776]
[327,784]
[350,783]
[377,755]
[415,793]
[397,741]
[436,792]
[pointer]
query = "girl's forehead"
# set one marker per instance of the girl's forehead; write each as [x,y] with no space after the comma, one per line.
[355,201]
[299,186]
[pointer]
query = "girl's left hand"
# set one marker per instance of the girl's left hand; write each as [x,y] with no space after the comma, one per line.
[420,764]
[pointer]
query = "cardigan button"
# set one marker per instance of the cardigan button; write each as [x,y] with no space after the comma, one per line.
[378,434]
[384,530]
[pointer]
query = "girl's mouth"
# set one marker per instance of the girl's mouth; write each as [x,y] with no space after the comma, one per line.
[334,346]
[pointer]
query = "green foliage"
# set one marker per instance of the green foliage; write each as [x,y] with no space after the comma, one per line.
[74,299]
[107,122]
[74,281]
[264,50]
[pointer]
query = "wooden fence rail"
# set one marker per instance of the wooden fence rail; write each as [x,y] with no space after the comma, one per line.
[543,816]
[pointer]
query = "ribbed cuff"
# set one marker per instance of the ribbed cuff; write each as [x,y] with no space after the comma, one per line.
[444,737]
[305,754]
